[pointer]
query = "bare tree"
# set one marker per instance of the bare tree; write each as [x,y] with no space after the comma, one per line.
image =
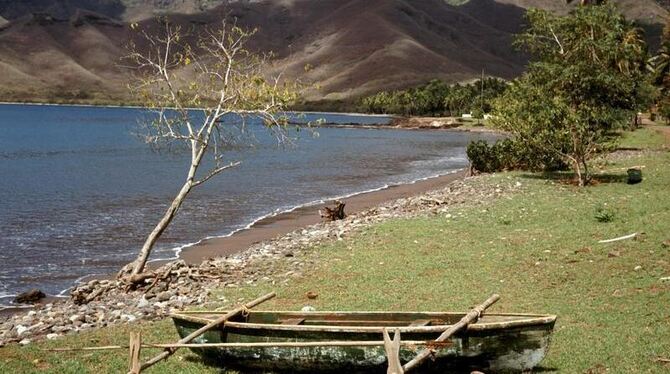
[201,93]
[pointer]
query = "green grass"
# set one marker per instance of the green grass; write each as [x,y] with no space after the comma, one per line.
[646,138]
[538,248]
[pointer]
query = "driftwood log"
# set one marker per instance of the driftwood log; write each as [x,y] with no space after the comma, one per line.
[335,213]
[30,297]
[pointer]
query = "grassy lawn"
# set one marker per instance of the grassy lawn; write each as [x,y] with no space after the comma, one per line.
[539,249]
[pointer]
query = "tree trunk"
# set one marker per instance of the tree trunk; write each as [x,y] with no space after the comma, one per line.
[141,261]
[586,176]
[578,170]
[582,171]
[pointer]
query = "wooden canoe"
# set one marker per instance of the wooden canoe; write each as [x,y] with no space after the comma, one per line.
[496,343]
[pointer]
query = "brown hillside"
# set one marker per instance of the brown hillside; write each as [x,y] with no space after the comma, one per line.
[353,46]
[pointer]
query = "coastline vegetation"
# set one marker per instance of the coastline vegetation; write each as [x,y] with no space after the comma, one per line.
[437,98]
[586,82]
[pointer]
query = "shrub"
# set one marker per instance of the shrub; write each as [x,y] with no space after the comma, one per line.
[603,214]
[510,154]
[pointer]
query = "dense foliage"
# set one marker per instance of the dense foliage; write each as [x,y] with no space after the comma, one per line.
[660,68]
[510,154]
[437,98]
[585,80]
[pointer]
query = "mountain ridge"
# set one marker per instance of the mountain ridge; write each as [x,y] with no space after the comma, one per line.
[69,50]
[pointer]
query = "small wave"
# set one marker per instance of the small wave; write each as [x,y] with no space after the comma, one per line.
[439,161]
[179,249]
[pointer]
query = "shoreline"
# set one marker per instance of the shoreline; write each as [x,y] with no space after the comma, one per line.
[273,226]
[274,250]
[266,228]
[144,107]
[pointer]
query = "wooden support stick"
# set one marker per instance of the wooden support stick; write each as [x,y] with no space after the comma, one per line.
[169,351]
[135,346]
[473,315]
[392,348]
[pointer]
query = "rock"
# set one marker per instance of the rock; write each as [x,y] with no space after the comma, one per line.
[60,329]
[666,244]
[52,336]
[25,342]
[128,317]
[164,296]
[20,329]
[76,317]
[143,303]
[637,268]
[30,297]
[308,308]
[614,254]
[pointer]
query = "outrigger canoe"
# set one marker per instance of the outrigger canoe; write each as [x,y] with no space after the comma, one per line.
[278,341]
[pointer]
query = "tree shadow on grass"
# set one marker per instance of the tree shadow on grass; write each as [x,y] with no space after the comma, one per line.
[569,178]
[542,369]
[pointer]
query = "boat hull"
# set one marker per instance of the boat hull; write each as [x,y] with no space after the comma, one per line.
[502,349]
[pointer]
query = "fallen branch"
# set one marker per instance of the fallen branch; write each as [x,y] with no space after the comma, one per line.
[335,213]
[631,236]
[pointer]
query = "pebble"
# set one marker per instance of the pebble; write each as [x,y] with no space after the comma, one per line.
[143,303]
[20,329]
[164,296]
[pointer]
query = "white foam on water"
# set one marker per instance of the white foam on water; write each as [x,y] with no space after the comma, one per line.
[179,249]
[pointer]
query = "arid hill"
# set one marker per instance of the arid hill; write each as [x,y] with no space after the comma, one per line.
[69,50]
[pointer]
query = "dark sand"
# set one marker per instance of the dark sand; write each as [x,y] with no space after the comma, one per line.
[285,223]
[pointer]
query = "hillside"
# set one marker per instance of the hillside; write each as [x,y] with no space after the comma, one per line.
[69,50]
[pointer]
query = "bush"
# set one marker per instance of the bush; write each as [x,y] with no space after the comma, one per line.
[510,154]
[481,156]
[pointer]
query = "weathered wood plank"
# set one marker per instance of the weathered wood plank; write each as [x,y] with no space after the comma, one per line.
[292,321]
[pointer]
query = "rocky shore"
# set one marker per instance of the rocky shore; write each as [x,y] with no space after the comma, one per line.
[100,303]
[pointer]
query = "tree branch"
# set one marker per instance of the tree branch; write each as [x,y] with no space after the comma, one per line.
[215,172]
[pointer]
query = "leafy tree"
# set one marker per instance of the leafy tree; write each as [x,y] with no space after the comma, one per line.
[436,98]
[458,99]
[585,80]
[201,90]
[659,65]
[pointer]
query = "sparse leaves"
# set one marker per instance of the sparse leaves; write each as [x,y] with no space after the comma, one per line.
[202,89]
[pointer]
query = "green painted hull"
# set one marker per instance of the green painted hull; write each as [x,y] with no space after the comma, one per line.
[497,343]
